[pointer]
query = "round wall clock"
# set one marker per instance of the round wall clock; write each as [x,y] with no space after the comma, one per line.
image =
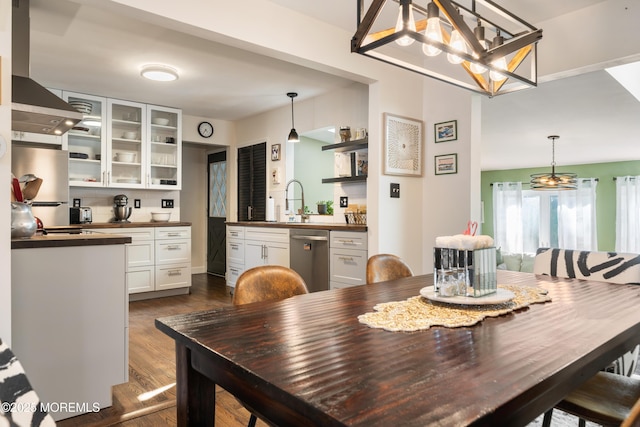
[205,129]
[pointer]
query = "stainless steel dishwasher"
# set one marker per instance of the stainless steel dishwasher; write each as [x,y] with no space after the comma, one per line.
[309,257]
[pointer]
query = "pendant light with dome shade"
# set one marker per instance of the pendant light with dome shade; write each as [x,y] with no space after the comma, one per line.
[293,135]
[554,180]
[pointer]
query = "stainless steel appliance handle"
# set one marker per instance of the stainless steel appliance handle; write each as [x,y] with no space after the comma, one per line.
[298,237]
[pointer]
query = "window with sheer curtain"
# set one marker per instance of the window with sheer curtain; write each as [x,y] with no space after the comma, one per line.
[525,220]
[627,209]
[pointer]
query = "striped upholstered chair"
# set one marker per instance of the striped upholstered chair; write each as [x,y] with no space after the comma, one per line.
[20,405]
[596,400]
[623,268]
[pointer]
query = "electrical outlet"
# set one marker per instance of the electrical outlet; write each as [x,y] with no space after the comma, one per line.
[344,202]
[136,203]
[395,191]
[77,203]
[167,203]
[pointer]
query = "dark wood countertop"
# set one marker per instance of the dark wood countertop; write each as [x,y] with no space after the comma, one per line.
[76,227]
[307,225]
[57,240]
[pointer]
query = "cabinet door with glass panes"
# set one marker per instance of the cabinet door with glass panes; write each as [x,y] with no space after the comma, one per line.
[126,132]
[165,147]
[87,141]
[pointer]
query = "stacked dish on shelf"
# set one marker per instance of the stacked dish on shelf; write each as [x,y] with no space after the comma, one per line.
[83,107]
[160,121]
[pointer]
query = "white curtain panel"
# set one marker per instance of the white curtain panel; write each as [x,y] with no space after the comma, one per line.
[627,209]
[577,228]
[507,216]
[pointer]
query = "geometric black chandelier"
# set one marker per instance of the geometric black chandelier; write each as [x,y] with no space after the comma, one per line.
[554,180]
[473,44]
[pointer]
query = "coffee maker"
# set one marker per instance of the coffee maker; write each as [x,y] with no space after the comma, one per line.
[121,211]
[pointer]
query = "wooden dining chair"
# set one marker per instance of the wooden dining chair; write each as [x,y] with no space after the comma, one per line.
[587,401]
[606,399]
[266,283]
[383,267]
[633,419]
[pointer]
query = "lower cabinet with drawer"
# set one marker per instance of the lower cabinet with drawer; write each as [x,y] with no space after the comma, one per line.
[249,247]
[347,259]
[158,260]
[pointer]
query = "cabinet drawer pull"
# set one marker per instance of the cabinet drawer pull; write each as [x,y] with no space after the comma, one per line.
[173,247]
[345,258]
[174,273]
[234,233]
[347,241]
[173,234]
[233,245]
[234,271]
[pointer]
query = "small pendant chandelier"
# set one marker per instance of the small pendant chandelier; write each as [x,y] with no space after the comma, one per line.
[293,135]
[554,181]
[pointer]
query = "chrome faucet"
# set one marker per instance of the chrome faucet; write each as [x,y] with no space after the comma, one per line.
[304,217]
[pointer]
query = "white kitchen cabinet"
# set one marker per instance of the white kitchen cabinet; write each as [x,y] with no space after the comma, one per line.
[126,154]
[249,247]
[348,257]
[164,130]
[140,268]
[266,246]
[124,144]
[158,260]
[87,143]
[235,253]
[173,257]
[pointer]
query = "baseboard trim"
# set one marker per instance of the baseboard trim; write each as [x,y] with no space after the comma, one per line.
[117,419]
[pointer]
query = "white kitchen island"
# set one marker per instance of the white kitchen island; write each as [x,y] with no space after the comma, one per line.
[70,318]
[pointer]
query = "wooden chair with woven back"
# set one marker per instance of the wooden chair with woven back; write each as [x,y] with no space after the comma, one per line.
[267,283]
[383,267]
[608,397]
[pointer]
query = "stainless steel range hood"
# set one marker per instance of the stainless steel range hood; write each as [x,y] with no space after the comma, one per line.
[34,108]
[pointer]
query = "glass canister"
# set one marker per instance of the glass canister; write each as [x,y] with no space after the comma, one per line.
[345,133]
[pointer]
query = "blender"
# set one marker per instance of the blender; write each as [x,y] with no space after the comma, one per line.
[121,211]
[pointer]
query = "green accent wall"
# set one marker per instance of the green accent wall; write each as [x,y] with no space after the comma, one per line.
[605,193]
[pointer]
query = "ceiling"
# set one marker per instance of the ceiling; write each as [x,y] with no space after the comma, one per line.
[84,46]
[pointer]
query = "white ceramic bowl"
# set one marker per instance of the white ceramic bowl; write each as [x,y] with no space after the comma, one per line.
[126,157]
[130,135]
[160,216]
[160,121]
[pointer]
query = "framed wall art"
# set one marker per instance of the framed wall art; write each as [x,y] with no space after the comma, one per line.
[446,131]
[402,146]
[446,164]
[275,152]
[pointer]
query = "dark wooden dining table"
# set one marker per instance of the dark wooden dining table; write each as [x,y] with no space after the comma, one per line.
[308,361]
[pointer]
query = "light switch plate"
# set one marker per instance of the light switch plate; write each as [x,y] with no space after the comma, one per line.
[344,202]
[77,203]
[136,203]
[395,191]
[167,203]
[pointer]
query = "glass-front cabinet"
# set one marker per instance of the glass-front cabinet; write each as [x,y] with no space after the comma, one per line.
[124,144]
[127,135]
[164,130]
[87,141]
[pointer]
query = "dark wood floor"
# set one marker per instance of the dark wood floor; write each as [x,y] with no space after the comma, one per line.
[152,365]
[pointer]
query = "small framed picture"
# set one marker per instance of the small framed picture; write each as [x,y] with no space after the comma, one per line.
[275,152]
[446,163]
[446,131]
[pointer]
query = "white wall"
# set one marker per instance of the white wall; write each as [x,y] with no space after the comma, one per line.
[5,171]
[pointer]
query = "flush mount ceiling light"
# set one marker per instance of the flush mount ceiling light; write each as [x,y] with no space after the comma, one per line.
[486,48]
[160,73]
[293,135]
[553,180]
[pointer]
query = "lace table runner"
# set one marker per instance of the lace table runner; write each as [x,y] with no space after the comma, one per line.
[418,313]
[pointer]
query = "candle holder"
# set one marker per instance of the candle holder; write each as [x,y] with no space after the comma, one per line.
[470,273]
